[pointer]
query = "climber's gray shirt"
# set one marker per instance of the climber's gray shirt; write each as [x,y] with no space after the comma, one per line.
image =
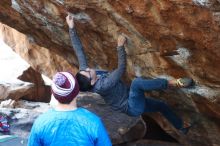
[109,85]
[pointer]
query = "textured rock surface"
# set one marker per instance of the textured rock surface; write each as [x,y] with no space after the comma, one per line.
[166,38]
[14,90]
[40,58]
[23,83]
[40,91]
[151,143]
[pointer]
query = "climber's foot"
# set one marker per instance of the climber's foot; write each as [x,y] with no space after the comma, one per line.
[181,82]
[186,127]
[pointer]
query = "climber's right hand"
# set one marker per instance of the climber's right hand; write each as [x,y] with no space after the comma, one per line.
[70,21]
[121,40]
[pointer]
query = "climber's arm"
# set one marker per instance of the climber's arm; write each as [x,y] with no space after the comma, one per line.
[76,43]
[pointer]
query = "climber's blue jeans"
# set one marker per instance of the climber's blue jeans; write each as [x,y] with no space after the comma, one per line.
[139,104]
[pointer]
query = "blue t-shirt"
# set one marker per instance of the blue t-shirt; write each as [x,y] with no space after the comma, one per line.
[78,127]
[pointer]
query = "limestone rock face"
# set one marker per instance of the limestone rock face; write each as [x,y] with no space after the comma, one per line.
[21,81]
[40,91]
[166,38]
[14,90]
[40,58]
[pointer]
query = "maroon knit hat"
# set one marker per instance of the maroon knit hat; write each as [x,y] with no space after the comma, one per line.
[64,87]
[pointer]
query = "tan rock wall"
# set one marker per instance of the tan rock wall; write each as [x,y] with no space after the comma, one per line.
[166,38]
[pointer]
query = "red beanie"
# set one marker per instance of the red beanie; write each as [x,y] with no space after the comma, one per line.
[64,87]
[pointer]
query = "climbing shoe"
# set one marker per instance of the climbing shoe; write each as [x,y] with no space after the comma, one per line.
[186,128]
[184,82]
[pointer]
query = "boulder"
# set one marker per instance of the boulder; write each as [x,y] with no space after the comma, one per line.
[166,39]
[121,127]
[15,89]
[40,91]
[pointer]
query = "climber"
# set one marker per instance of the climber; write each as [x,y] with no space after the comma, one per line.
[131,101]
[66,124]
